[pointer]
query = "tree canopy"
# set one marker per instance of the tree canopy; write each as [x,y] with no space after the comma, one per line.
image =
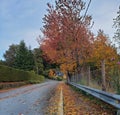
[10,55]
[68,39]
[24,58]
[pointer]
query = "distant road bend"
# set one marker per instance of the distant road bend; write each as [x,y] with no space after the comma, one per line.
[29,100]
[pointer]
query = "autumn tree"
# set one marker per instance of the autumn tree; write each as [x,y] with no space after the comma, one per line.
[103,53]
[68,39]
[103,49]
[52,73]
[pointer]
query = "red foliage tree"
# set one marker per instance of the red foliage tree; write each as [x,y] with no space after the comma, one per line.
[66,31]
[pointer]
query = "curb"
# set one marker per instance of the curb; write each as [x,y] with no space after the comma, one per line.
[60,106]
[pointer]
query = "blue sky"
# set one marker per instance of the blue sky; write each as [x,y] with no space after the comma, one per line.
[22,20]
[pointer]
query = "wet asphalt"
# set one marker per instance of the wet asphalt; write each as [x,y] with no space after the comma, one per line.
[28,100]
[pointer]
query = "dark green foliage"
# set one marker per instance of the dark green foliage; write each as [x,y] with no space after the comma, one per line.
[45,73]
[59,78]
[19,57]
[35,78]
[39,67]
[10,55]
[30,61]
[115,78]
[47,67]
[8,74]
[24,58]
[2,62]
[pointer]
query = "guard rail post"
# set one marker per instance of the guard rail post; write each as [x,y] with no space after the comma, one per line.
[118,112]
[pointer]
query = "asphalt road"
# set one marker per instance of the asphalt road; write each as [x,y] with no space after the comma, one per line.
[29,100]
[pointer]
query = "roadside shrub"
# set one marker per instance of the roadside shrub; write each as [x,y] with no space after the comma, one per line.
[45,73]
[114,81]
[59,78]
[36,79]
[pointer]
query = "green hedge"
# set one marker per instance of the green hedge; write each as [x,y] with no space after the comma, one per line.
[8,74]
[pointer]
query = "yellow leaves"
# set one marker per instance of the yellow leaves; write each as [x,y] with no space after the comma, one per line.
[68,67]
[70,107]
[102,49]
[78,104]
[53,102]
[51,73]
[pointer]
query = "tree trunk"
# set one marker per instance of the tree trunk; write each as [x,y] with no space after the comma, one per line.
[37,70]
[68,77]
[88,79]
[103,75]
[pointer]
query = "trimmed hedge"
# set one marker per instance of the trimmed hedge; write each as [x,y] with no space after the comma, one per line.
[8,74]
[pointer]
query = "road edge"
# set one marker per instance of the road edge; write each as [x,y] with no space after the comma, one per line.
[60,106]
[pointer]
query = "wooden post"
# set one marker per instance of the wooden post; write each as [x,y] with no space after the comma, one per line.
[36,69]
[67,77]
[76,73]
[103,75]
[118,112]
[74,77]
[88,79]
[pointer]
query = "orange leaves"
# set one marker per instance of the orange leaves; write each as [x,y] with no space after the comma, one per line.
[70,107]
[53,102]
[78,104]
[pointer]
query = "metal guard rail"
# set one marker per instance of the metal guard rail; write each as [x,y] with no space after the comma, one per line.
[112,99]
